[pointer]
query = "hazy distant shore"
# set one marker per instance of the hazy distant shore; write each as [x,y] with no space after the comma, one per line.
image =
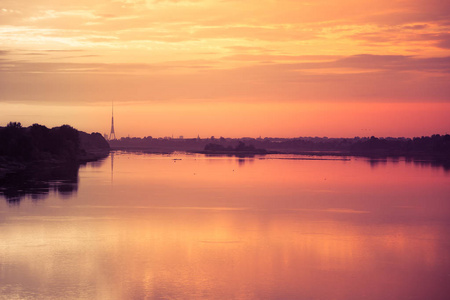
[434,149]
[429,146]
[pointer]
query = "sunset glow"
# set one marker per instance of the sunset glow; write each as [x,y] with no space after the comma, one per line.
[228,68]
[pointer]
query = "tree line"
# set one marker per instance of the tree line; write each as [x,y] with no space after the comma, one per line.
[39,143]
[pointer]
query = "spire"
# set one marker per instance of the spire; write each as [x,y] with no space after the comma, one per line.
[112,133]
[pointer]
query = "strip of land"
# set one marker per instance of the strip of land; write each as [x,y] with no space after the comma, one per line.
[37,145]
[435,147]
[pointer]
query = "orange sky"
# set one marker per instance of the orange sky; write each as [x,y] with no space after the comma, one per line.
[228,68]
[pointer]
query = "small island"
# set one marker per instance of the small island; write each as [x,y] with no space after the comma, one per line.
[240,150]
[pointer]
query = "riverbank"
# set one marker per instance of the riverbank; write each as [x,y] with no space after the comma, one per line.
[37,146]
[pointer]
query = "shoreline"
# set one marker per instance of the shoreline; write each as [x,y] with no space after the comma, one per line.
[417,156]
[11,166]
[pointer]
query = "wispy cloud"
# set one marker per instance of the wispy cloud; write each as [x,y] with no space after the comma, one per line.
[257,50]
[379,78]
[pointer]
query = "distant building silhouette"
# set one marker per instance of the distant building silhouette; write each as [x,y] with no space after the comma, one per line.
[112,133]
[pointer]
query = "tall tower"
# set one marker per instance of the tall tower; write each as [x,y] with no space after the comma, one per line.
[112,133]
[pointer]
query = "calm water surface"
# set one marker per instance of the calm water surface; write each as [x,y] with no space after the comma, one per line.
[195,227]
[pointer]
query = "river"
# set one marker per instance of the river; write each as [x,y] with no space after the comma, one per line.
[189,226]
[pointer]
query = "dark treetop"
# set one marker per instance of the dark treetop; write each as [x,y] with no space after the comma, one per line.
[39,144]
[37,160]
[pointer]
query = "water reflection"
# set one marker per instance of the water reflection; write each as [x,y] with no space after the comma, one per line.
[245,160]
[418,161]
[38,182]
[197,227]
[432,163]
[374,162]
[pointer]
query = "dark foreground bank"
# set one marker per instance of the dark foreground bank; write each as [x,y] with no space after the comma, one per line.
[37,145]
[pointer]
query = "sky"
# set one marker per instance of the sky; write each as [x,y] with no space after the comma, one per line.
[228,68]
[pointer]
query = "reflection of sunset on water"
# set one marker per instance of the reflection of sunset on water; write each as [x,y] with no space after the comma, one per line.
[203,253]
[268,228]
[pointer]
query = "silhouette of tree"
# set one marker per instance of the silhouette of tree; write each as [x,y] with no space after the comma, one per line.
[14,125]
[37,142]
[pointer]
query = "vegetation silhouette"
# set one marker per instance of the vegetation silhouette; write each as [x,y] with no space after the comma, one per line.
[58,144]
[435,148]
[240,150]
[36,160]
